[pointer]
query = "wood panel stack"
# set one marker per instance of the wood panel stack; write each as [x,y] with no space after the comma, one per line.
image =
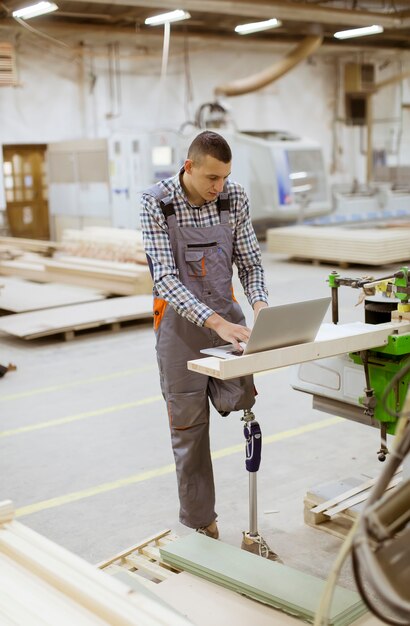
[28,259]
[368,246]
[43,584]
[269,582]
[110,244]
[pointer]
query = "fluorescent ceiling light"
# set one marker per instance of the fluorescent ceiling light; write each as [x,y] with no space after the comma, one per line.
[35,9]
[254,27]
[359,32]
[165,18]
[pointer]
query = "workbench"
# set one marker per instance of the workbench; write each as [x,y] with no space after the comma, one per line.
[332,339]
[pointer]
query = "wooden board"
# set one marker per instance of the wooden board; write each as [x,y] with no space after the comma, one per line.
[18,295]
[70,319]
[331,340]
[370,246]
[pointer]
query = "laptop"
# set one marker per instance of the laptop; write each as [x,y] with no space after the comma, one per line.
[279,326]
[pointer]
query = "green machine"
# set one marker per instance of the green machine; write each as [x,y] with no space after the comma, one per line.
[386,368]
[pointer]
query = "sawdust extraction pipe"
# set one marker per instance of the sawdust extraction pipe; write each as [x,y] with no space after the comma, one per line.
[252,83]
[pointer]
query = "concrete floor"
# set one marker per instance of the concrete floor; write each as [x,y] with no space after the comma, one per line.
[85,453]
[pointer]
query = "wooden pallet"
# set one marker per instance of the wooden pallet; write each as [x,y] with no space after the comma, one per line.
[143,560]
[334,507]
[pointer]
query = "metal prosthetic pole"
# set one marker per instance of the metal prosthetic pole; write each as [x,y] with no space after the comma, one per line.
[252,540]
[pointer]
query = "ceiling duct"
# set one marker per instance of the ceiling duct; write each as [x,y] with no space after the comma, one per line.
[252,83]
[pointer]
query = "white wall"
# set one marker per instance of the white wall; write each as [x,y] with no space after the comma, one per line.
[59,100]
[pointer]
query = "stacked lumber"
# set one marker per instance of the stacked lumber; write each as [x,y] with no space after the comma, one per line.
[369,246]
[19,244]
[269,582]
[111,244]
[43,584]
[124,279]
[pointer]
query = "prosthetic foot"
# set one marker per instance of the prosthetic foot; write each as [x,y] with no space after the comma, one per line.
[252,540]
[257,545]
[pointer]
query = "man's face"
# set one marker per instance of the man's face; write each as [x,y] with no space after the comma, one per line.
[207,177]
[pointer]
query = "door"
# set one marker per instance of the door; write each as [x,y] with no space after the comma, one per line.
[25,182]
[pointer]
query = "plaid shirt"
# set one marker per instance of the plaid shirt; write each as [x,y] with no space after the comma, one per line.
[246,251]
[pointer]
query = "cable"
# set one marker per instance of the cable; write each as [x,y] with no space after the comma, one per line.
[322,613]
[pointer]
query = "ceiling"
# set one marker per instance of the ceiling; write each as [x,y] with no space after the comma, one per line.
[217,19]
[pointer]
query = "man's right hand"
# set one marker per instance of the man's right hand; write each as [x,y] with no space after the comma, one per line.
[231,333]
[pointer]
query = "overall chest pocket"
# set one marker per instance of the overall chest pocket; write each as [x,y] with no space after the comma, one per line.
[195,263]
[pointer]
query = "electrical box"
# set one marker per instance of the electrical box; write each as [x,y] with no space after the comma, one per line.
[359,78]
[356,109]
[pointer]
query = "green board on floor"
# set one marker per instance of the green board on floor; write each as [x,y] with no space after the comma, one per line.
[272,583]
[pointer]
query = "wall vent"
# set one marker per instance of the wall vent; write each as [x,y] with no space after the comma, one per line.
[8,66]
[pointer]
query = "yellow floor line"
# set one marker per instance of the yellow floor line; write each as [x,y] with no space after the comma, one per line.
[80,416]
[77,383]
[94,379]
[166,469]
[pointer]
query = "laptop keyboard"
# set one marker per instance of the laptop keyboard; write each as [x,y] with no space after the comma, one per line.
[235,352]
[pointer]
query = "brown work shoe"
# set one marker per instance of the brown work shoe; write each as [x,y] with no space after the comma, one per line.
[257,545]
[210,531]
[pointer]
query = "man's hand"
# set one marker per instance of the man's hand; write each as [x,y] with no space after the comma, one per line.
[257,307]
[232,333]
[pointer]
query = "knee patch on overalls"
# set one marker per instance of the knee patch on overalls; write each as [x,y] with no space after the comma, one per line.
[186,410]
[232,395]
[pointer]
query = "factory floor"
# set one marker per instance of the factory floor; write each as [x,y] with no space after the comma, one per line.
[85,451]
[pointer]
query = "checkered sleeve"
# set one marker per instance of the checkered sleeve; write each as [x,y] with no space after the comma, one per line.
[165,272]
[246,251]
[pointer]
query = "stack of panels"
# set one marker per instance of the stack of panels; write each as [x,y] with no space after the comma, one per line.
[113,244]
[274,584]
[370,246]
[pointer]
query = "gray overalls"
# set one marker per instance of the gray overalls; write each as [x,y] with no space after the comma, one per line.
[203,256]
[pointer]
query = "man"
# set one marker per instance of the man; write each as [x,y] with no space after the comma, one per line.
[195,225]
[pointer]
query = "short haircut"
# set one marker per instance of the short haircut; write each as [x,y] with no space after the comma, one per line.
[212,144]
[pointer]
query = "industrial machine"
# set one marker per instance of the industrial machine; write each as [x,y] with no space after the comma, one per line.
[372,387]
[283,175]
[359,386]
[100,181]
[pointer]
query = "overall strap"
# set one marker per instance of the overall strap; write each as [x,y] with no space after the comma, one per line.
[167,206]
[164,198]
[224,205]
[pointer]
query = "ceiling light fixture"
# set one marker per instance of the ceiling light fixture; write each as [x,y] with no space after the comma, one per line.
[40,8]
[167,18]
[254,27]
[359,32]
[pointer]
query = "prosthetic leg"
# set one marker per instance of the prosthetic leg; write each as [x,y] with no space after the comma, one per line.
[252,540]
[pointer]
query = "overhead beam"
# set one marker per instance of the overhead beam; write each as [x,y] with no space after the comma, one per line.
[87,32]
[279,9]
